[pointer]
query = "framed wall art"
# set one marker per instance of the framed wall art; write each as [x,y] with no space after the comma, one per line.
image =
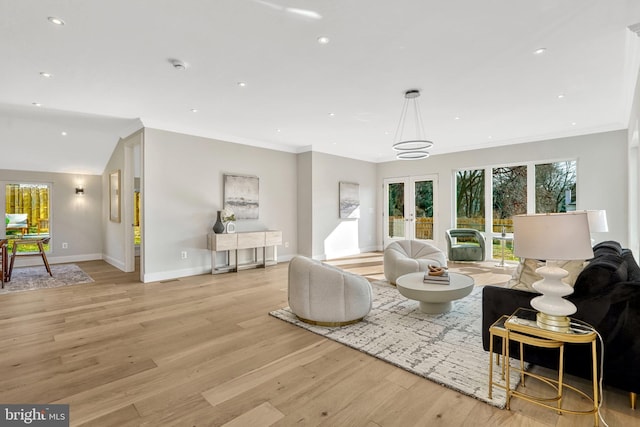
[349,200]
[114,196]
[242,195]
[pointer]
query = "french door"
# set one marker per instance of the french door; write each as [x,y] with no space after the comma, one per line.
[409,208]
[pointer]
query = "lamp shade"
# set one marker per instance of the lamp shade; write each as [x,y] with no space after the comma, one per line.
[553,236]
[598,221]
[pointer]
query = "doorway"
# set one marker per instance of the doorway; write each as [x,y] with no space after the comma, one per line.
[409,209]
[133,196]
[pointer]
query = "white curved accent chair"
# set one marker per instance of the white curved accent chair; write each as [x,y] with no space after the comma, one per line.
[410,256]
[324,295]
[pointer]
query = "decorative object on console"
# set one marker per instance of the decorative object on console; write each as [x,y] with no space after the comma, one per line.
[241,193]
[228,218]
[411,149]
[218,227]
[552,237]
[349,200]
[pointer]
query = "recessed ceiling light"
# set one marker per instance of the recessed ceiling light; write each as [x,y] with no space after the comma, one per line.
[242,84]
[561,96]
[194,110]
[323,40]
[540,51]
[56,21]
[489,137]
[178,65]
[45,74]
[573,123]
[37,104]
[332,114]
[63,133]
[456,118]
[278,130]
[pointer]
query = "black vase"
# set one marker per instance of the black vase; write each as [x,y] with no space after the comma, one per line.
[218,227]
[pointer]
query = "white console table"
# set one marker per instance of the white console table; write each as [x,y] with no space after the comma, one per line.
[232,242]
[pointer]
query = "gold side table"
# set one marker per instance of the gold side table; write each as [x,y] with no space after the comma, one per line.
[521,326]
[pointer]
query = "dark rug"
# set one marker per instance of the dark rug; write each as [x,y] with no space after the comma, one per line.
[30,278]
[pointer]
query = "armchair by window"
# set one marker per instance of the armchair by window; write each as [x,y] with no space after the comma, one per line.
[465,244]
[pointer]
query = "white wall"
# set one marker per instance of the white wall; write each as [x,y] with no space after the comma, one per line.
[305,204]
[113,248]
[633,138]
[73,219]
[182,177]
[602,174]
[332,236]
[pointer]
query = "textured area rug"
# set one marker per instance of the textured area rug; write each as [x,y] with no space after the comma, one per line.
[29,278]
[444,348]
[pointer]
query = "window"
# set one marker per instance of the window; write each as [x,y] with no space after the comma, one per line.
[509,196]
[556,187]
[470,199]
[26,213]
[552,186]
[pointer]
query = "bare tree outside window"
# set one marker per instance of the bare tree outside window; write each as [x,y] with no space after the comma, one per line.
[509,196]
[470,199]
[556,187]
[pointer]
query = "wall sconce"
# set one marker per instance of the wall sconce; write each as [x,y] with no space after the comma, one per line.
[79,190]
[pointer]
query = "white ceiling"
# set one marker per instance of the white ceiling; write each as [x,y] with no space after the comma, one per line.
[471,59]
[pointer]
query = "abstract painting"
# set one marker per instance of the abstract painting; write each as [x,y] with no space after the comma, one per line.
[349,200]
[241,194]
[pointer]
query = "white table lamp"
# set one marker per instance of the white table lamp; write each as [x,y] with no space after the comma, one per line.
[597,221]
[552,237]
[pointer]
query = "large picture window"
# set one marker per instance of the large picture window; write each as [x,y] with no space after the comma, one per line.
[470,199]
[509,196]
[27,213]
[551,185]
[556,187]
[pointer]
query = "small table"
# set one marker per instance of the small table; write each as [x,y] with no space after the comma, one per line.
[434,299]
[503,243]
[521,326]
[40,243]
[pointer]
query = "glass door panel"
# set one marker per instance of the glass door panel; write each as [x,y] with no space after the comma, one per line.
[423,207]
[395,211]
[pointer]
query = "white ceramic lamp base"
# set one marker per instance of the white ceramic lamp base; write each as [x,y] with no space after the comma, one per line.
[553,308]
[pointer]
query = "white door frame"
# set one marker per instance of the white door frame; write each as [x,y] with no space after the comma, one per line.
[127,191]
[409,206]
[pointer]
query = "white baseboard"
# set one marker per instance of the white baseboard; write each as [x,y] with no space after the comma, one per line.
[119,264]
[36,260]
[341,254]
[175,274]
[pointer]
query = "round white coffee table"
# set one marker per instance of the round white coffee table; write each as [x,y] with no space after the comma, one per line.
[434,299]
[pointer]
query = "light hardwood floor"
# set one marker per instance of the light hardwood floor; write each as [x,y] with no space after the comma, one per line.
[203,351]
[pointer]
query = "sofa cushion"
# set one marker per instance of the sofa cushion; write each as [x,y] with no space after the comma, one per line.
[633,270]
[599,274]
[608,247]
[525,274]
